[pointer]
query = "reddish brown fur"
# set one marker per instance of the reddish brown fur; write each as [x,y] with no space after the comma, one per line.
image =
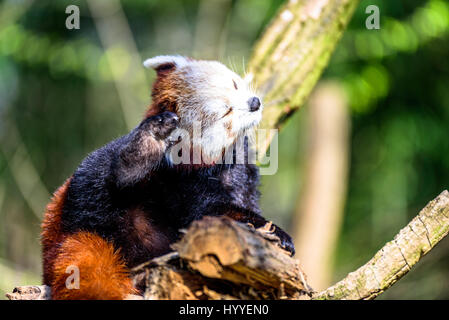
[165,91]
[103,274]
[238,216]
[51,230]
[141,230]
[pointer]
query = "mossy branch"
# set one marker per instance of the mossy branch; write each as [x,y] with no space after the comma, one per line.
[293,52]
[397,257]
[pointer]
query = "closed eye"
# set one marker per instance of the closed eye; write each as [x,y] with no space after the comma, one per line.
[235,85]
[227,112]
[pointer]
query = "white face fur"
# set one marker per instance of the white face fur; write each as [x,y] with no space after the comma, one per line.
[213,99]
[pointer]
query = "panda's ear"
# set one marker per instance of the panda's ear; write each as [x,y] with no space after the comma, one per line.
[165,63]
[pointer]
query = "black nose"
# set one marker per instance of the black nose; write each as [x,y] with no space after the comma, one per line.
[254,104]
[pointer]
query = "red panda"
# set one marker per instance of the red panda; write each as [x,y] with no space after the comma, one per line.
[127,201]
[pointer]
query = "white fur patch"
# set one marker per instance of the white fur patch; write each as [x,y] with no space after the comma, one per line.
[157,61]
[213,99]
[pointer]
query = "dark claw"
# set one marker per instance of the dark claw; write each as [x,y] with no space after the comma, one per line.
[286,241]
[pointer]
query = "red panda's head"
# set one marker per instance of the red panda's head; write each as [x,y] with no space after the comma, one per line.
[206,93]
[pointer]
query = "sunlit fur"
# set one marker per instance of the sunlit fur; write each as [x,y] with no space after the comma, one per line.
[214,99]
[102,272]
[126,204]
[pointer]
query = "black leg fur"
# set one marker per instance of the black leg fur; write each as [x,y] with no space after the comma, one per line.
[144,150]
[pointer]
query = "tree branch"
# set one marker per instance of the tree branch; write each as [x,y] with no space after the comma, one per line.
[397,257]
[293,52]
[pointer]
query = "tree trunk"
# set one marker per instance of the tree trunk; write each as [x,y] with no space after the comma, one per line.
[320,203]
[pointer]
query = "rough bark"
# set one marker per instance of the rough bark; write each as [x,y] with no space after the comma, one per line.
[30,293]
[219,258]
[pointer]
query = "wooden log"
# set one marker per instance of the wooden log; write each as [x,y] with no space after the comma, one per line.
[221,248]
[219,258]
[30,293]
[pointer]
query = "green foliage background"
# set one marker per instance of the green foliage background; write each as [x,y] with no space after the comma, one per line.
[58,101]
